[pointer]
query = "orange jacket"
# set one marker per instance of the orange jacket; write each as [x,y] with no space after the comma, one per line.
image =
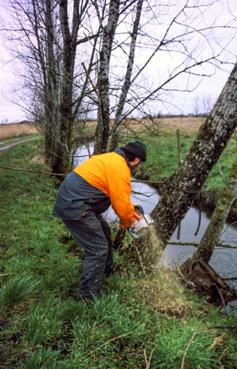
[110,173]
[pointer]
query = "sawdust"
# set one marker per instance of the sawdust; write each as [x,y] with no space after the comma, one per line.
[154,241]
[164,291]
[148,248]
[161,287]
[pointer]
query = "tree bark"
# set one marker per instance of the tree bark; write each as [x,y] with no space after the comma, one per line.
[51,88]
[103,116]
[181,189]
[63,149]
[127,80]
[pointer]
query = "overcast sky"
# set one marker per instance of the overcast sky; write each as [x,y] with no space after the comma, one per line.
[209,88]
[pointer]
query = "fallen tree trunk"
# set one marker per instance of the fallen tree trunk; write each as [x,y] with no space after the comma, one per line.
[195,268]
[206,280]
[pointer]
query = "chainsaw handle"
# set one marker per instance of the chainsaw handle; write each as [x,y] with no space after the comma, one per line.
[139,209]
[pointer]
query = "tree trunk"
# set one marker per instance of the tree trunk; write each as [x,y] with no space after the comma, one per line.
[62,162]
[127,80]
[51,88]
[212,138]
[103,117]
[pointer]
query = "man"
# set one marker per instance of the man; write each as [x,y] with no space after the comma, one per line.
[88,191]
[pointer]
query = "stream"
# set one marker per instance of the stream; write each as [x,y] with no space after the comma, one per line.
[223,260]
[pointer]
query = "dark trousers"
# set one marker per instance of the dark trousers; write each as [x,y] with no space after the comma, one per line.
[93,235]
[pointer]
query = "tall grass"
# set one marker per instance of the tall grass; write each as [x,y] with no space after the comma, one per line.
[17,290]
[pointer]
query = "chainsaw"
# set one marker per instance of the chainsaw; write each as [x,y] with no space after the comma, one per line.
[142,222]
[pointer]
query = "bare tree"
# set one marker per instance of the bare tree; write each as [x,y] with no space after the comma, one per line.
[181,36]
[196,269]
[49,34]
[70,42]
[97,52]
[33,40]
[127,78]
[103,116]
[103,84]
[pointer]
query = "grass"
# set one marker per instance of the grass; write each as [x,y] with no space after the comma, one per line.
[16,290]
[162,160]
[7,141]
[151,322]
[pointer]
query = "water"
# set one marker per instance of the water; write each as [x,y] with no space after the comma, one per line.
[224,260]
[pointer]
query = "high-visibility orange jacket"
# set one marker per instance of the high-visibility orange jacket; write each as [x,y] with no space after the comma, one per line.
[110,173]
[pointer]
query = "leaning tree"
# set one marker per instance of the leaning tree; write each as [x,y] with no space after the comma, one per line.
[181,189]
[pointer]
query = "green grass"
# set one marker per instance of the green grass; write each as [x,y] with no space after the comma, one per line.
[16,290]
[162,160]
[43,328]
[8,141]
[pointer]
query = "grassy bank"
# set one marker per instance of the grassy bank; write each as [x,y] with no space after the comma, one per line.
[162,158]
[163,161]
[6,141]
[139,322]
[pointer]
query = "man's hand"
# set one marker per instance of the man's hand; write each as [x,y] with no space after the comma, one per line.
[137,216]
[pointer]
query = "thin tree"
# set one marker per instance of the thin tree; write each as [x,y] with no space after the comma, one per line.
[103,115]
[212,236]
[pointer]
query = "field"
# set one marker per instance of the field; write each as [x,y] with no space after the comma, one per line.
[184,124]
[16,129]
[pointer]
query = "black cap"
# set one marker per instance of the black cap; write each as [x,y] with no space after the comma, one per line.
[137,148]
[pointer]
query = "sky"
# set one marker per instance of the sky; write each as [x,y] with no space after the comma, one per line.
[206,92]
